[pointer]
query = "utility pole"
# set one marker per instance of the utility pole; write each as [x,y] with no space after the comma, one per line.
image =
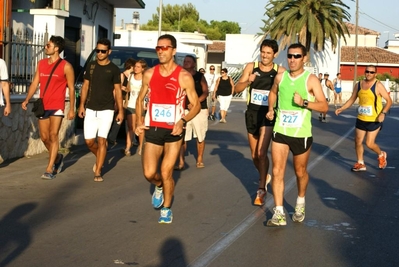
[160,18]
[356,42]
[178,27]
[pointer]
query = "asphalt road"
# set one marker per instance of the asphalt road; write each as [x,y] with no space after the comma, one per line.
[351,218]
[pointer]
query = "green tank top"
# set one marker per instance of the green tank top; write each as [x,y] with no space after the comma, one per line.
[293,120]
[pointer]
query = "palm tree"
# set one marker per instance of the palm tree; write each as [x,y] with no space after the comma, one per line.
[306,21]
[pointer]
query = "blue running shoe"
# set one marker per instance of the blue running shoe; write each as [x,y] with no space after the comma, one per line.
[166,216]
[48,176]
[157,197]
[58,166]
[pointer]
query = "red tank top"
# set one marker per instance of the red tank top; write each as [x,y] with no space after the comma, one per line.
[166,99]
[54,98]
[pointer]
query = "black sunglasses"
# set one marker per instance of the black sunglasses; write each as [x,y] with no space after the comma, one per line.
[294,55]
[212,69]
[369,71]
[101,51]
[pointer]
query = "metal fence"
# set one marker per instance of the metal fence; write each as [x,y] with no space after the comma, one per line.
[24,50]
[235,72]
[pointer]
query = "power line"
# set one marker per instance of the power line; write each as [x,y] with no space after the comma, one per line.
[382,23]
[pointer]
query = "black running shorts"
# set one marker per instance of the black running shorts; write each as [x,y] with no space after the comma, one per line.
[368,126]
[297,145]
[160,136]
[254,119]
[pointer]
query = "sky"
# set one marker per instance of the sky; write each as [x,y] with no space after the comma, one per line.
[381,16]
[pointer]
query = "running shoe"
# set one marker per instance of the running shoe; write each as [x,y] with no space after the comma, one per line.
[157,197]
[278,219]
[48,176]
[324,119]
[166,216]
[382,160]
[320,117]
[359,167]
[58,166]
[299,214]
[260,197]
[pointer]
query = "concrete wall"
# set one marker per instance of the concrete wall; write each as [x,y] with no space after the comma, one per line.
[19,133]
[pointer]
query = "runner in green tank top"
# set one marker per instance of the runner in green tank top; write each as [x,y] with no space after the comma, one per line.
[299,92]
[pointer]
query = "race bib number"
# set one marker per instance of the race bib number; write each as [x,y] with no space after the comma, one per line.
[259,97]
[291,118]
[365,110]
[163,113]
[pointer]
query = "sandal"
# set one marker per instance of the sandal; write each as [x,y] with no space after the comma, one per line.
[98,178]
[200,165]
[178,168]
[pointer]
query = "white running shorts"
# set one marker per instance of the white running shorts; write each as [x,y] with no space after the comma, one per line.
[97,123]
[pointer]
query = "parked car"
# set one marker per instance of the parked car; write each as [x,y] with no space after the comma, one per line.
[118,56]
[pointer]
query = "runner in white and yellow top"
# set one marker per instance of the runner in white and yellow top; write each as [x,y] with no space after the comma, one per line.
[299,92]
[371,115]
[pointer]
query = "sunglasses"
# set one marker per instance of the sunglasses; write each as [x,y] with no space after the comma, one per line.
[369,71]
[212,69]
[101,51]
[162,47]
[294,55]
[222,72]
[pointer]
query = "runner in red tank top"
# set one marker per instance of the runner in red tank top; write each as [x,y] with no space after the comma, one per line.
[53,100]
[167,84]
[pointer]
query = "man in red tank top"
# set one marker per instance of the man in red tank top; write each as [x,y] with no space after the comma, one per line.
[53,100]
[167,85]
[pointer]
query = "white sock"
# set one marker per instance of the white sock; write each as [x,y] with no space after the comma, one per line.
[361,161]
[300,200]
[280,209]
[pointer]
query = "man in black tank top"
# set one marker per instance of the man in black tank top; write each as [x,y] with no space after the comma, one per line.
[258,78]
[198,126]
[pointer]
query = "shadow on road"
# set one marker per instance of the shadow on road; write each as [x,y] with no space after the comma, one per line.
[15,235]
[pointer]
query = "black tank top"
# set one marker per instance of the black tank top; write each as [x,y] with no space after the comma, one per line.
[262,82]
[224,88]
[198,89]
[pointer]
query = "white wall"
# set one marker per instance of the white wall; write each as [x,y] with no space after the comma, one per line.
[242,48]
[362,40]
[102,16]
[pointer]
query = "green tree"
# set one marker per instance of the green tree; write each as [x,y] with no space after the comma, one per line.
[185,18]
[310,22]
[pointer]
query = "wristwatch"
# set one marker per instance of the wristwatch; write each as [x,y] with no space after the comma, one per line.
[184,122]
[305,103]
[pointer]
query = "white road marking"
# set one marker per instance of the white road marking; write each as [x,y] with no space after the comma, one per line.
[223,243]
[347,116]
